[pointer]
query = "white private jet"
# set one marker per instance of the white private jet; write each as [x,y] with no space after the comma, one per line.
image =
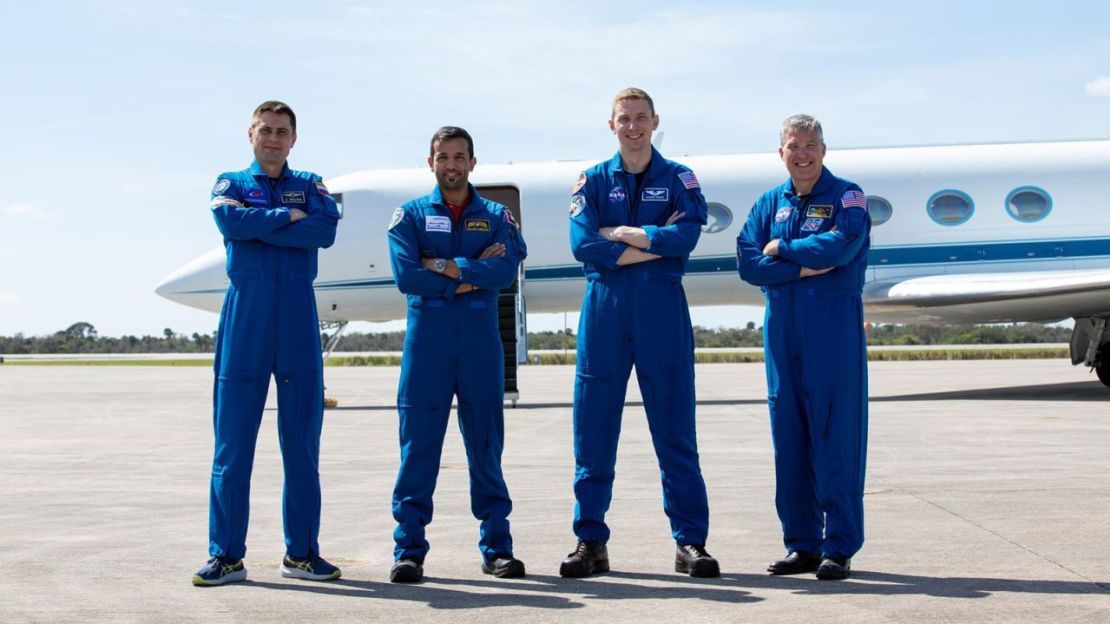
[961,234]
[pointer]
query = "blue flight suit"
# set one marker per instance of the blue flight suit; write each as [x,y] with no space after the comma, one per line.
[268,326]
[452,348]
[636,314]
[816,356]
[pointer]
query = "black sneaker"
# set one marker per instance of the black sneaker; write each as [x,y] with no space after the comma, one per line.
[406,571]
[311,568]
[795,562]
[588,558]
[693,559]
[504,566]
[834,568]
[220,570]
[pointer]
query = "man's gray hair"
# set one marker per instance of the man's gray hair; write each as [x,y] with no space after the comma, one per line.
[802,123]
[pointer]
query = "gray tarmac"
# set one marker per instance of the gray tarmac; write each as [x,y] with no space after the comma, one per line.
[988,500]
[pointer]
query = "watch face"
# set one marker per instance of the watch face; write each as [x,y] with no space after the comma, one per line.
[440,265]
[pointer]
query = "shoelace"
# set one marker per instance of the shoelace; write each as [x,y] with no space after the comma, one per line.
[696,550]
[581,550]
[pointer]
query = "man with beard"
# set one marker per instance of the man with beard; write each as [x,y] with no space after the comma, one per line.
[451,251]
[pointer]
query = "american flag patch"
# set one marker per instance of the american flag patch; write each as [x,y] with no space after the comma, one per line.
[854,199]
[689,180]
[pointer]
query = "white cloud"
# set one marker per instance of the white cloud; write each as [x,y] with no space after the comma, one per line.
[1099,87]
[23,211]
[9,298]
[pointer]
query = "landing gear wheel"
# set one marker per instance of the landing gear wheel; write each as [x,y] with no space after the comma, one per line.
[1103,369]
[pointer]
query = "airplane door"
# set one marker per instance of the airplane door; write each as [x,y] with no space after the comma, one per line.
[510,303]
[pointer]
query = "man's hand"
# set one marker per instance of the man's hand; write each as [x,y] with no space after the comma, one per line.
[496,250]
[808,272]
[675,216]
[465,288]
[296,214]
[771,248]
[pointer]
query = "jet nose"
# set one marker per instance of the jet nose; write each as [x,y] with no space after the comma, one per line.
[199,284]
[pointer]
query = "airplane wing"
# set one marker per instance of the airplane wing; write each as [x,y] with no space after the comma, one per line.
[1025,296]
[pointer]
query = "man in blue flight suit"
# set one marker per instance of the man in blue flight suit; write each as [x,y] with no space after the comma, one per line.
[805,243]
[633,222]
[451,251]
[273,219]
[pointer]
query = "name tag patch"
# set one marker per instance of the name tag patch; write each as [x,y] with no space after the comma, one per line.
[655,194]
[823,212]
[437,224]
[477,225]
[783,213]
[292,197]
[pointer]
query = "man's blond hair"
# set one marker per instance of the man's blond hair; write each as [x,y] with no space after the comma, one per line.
[632,93]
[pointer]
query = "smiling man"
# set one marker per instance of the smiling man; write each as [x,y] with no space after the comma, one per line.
[634,220]
[805,244]
[451,251]
[273,220]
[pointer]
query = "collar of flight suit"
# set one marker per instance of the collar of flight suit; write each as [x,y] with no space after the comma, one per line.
[824,183]
[655,166]
[257,170]
[473,199]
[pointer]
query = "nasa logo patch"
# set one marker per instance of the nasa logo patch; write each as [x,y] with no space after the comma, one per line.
[617,195]
[783,213]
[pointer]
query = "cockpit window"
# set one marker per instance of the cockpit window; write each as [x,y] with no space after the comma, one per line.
[950,207]
[720,217]
[879,209]
[1028,204]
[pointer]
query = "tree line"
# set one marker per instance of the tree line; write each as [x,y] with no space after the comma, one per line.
[83,338]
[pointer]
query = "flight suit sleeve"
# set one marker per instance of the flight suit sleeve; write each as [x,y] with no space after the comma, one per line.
[679,238]
[585,220]
[404,258]
[240,222]
[836,247]
[317,229]
[754,266]
[496,273]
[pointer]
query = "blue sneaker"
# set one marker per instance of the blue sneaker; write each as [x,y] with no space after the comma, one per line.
[220,570]
[312,568]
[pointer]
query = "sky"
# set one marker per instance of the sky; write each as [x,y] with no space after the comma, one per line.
[117,116]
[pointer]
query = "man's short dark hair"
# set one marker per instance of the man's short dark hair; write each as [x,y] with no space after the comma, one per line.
[451,132]
[274,106]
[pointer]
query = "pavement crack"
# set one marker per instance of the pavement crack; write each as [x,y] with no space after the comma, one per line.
[1100,585]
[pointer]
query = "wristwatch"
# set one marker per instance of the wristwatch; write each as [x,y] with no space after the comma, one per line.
[440,265]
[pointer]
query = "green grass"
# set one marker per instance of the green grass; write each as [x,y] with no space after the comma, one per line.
[955,353]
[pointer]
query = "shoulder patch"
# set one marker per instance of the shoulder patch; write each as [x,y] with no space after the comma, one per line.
[221,185]
[398,216]
[320,188]
[577,204]
[579,184]
[508,215]
[689,180]
[854,199]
